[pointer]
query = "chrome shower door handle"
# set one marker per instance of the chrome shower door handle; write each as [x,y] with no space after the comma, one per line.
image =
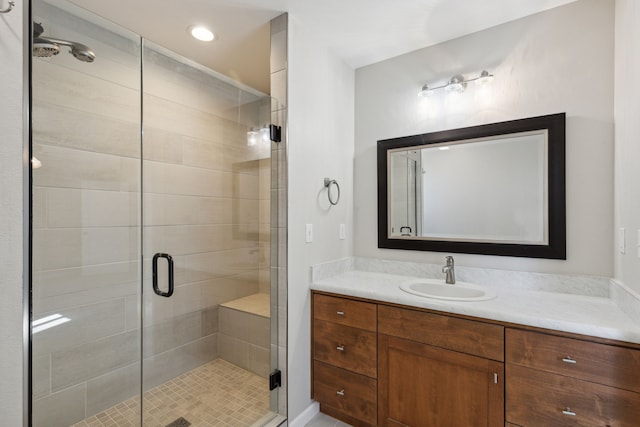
[156,289]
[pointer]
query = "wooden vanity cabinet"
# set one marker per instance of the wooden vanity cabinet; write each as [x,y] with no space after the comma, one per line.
[345,362]
[381,364]
[435,370]
[559,381]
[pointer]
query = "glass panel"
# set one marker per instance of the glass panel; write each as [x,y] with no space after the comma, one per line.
[206,180]
[86,218]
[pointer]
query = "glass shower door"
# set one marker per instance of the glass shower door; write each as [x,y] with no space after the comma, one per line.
[206,282]
[86,219]
[151,278]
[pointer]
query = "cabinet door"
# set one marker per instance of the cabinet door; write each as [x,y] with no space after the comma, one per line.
[421,385]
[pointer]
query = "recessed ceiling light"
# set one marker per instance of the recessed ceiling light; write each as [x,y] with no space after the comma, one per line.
[201,33]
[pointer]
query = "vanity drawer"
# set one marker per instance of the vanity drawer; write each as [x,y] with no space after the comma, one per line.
[345,312]
[541,399]
[353,394]
[604,364]
[466,336]
[345,347]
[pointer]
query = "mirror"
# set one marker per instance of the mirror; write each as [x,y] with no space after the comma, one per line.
[496,189]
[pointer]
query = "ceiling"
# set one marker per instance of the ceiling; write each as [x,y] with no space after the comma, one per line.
[361,32]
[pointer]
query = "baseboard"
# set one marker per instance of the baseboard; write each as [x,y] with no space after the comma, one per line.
[305,416]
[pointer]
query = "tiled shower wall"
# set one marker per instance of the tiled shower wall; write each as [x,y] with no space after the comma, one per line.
[201,204]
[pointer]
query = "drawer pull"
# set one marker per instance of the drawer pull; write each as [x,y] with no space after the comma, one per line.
[569,412]
[568,359]
[340,313]
[340,348]
[340,392]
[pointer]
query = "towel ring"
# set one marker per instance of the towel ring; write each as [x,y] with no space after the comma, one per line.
[8,9]
[327,183]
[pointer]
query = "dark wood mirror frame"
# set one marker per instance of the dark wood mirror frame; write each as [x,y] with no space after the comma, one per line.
[556,246]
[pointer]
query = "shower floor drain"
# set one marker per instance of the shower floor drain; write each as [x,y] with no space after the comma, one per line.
[180,422]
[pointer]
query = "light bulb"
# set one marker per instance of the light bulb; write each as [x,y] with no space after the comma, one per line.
[265,134]
[252,138]
[425,91]
[484,78]
[457,84]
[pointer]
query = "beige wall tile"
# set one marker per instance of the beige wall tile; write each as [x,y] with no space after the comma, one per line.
[112,388]
[88,323]
[234,323]
[74,247]
[71,168]
[212,265]
[60,409]
[161,145]
[189,239]
[278,50]
[259,331]
[174,332]
[85,130]
[92,208]
[231,288]
[65,87]
[39,207]
[170,364]
[233,350]
[259,362]
[92,295]
[167,178]
[41,375]
[264,280]
[66,281]
[210,324]
[279,87]
[74,365]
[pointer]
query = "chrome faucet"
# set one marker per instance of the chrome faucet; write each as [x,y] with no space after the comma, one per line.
[450,278]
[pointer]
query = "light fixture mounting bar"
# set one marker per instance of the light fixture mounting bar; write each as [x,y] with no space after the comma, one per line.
[457,83]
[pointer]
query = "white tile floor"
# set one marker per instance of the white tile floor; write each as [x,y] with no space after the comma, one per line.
[322,420]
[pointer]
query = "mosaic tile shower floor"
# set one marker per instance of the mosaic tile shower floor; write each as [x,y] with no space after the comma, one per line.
[215,394]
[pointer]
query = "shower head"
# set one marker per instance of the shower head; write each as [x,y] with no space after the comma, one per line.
[82,52]
[45,47]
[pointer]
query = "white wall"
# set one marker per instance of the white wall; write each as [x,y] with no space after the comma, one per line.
[11,212]
[627,153]
[320,145]
[556,61]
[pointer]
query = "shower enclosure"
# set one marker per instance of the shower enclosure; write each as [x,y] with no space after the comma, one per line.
[154,288]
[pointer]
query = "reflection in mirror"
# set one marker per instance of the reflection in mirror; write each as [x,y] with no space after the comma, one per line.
[405,182]
[431,193]
[493,189]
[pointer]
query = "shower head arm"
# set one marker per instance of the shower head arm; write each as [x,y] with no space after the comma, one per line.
[78,50]
[61,42]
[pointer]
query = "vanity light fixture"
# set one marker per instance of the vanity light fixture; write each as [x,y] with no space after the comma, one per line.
[457,83]
[201,33]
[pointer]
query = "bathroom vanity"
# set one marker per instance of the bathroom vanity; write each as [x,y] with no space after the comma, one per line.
[380,357]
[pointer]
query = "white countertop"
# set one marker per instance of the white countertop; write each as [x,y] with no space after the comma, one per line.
[597,316]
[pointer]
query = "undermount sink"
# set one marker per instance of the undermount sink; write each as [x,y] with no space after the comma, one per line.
[438,289]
